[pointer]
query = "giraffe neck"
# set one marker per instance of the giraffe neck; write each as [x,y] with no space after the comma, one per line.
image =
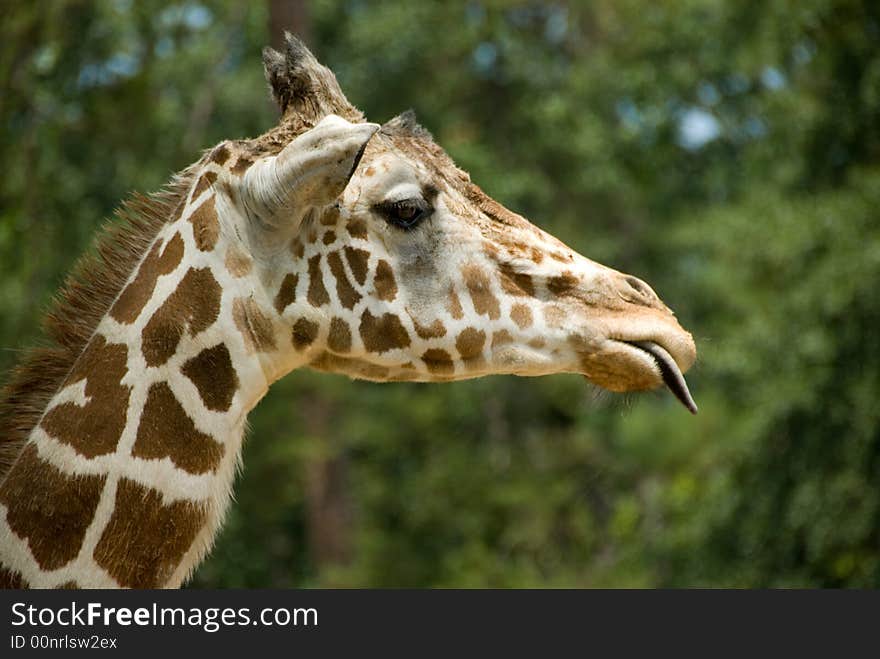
[126,478]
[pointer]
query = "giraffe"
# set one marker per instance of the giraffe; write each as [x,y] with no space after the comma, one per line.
[329,243]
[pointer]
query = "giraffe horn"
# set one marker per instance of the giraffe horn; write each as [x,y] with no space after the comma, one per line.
[302,86]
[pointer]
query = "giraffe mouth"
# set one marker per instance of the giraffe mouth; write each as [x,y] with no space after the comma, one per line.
[669,371]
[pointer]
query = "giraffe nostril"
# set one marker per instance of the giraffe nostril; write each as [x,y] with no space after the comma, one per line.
[641,288]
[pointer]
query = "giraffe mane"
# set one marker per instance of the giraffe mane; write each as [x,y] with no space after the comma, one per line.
[68,324]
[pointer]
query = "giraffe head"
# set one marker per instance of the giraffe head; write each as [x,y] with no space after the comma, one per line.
[383,261]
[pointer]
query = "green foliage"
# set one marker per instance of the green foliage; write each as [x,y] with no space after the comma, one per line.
[728,152]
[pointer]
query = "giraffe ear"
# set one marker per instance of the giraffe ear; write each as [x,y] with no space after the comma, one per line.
[302,86]
[311,171]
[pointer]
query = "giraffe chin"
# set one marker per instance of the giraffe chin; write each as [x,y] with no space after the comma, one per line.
[623,365]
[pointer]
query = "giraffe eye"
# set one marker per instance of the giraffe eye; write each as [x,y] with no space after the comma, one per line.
[406,213]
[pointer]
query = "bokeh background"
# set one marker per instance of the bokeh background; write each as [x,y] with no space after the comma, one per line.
[727,152]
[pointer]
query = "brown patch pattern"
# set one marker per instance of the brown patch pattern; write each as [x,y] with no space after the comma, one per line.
[220,154]
[212,373]
[562,284]
[54,519]
[357,261]
[500,338]
[382,333]
[11,579]
[386,286]
[339,339]
[131,301]
[166,431]
[470,343]
[287,292]
[206,227]
[346,293]
[356,228]
[205,181]
[304,333]
[297,248]
[433,331]
[438,361]
[477,282]
[317,294]
[144,541]
[94,429]
[521,315]
[453,305]
[255,327]
[329,238]
[515,283]
[192,307]
[238,263]
[241,165]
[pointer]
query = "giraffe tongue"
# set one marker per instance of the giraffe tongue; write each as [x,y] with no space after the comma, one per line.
[672,376]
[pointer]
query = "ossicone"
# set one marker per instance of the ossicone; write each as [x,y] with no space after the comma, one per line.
[303,87]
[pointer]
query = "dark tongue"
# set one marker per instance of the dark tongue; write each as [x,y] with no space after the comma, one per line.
[672,376]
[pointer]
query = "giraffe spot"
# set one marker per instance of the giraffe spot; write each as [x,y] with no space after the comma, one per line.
[485,303]
[237,262]
[212,373]
[330,218]
[433,331]
[94,428]
[536,255]
[11,579]
[356,228]
[131,301]
[382,333]
[559,256]
[206,228]
[329,238]
[562,284]
[220,154]
[304,333]
[354,368]
[144,541]
[287,293]
[339,339]
[192,307]
[357,261]
[500,338]
[317,294]
[386,286]
[554,315]
[370,171]
[470,343]
[521,315]
[297,248]
[205,181]
[346,293]
[438,361]
[255,327]
[312,236]
[67,585]
[54,523]
[241,165]
[537,343]
[453,305]
[166,431]
[515,283]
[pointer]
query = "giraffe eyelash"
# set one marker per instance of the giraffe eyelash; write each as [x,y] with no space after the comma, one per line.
[405,213]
